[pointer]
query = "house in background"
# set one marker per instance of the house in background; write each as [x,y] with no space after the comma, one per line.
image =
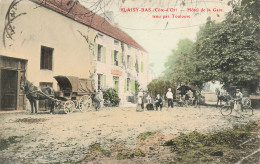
[42,39]
[120,62]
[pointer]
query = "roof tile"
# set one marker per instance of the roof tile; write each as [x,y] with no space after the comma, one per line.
[83,15]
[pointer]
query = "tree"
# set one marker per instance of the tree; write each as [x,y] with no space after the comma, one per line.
[229,51]
[160,86]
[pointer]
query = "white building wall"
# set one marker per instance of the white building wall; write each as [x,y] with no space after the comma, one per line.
[72,55]
[107,68]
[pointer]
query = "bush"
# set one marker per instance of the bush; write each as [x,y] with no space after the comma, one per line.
[111,95]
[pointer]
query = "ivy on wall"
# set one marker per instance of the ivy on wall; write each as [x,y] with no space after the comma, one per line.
[10,17]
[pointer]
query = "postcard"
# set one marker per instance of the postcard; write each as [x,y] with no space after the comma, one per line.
[129,81]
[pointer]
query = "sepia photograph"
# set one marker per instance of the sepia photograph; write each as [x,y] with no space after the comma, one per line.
[129,81]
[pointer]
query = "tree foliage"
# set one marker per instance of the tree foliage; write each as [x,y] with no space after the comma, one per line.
[160,86]
[227,51]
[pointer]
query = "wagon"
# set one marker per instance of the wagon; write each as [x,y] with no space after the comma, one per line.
[74,93]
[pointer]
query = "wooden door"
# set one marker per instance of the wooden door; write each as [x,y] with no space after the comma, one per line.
[8,89]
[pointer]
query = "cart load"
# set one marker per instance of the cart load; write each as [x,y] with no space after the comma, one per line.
[75,92]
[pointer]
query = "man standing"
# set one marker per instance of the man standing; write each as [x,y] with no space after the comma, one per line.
[169,97]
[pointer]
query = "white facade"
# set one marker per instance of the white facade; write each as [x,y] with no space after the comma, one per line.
[72,55]
[74,48]
[126,70]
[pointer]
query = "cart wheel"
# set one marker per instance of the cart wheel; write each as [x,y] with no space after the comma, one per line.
[85,103]
[226,110]
[69,106]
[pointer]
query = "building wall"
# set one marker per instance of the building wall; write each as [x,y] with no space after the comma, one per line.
[39,26]
[72,55]
[107,68]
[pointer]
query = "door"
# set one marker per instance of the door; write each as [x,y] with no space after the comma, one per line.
[45,105]
[116,83]
[8,89]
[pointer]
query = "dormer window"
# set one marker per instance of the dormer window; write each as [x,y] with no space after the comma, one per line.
[116,42]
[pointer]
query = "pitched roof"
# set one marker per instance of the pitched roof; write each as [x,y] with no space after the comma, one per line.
[83,15]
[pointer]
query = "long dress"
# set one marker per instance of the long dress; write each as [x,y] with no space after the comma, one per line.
[139,102]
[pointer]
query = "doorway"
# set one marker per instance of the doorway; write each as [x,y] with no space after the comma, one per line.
[11,71]
[8,89]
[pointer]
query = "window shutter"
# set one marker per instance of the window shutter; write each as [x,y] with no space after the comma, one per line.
[121,59]
[50,60]
[132,85]
[95,49]
[104,54]
[105,79]
[125,85]
[112,57]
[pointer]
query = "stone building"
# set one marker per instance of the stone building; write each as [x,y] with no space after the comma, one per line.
[40,39]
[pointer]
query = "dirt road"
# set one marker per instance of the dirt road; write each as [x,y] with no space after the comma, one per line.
[45,138]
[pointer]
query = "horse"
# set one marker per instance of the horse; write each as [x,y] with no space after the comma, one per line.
[33,94]
[221,96]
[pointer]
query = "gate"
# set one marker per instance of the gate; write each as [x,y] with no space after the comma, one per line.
[11,70]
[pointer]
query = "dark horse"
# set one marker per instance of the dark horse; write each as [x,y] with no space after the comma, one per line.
[33,93]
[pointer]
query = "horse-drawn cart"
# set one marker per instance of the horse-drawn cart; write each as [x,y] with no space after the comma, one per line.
[74,93]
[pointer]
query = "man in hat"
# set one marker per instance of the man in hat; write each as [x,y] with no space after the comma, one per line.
[169,97]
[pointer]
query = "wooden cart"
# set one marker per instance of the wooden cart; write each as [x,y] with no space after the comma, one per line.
[74,93]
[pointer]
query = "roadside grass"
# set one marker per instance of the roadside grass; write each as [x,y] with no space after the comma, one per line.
[5,143]
[129,155]
[145,135]
[96,147]
[220,147]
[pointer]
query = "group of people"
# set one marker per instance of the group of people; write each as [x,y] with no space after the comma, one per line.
[158,101]
[189,96]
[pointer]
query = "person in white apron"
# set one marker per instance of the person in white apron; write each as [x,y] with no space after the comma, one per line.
[238,100]
[140,102]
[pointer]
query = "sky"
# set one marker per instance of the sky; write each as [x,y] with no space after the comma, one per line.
[157,35]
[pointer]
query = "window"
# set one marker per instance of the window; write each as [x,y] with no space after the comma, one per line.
[128,84]
[44,104]
[46,58]
[116,58]
[136,66]
[116,83]
[116,42]
[100,35]
[128,61]
[100,81]
[99,54]
[129,47]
